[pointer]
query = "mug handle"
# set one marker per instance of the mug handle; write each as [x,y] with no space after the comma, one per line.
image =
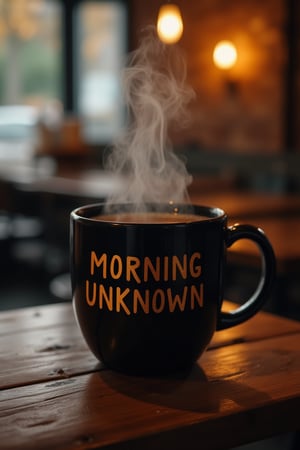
[256,301]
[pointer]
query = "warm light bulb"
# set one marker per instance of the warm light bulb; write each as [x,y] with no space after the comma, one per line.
[225,55]
[169,23]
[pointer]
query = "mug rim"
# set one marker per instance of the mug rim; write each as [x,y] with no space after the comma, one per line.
[213,213]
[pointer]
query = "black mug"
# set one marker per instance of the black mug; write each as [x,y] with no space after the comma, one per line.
[148,287]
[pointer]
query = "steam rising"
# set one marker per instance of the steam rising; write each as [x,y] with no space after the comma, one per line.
[156,95]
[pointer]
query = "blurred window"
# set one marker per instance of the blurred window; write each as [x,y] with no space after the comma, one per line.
[30,52]
[41,68]
[100,46]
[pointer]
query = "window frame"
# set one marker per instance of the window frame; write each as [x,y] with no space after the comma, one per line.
[68,49]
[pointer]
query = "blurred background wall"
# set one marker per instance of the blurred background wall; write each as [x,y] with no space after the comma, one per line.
[253,106]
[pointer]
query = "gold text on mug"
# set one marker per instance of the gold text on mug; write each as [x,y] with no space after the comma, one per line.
[133,301]
[159,268]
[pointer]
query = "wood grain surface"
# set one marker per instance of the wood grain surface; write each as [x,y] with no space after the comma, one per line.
[56,395]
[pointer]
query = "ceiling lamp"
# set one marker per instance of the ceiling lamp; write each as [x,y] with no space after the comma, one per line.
[169,23]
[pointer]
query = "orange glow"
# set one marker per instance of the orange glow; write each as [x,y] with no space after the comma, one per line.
[225,55]
[169,23]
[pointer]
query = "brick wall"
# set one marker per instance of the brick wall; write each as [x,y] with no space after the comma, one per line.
[248,118]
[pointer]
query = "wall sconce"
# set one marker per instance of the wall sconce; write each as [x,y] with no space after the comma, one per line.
[225,57]
[169,23]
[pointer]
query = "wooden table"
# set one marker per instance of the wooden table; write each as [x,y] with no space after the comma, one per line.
[284,235]
[93,185]
[54,394]
[241,205]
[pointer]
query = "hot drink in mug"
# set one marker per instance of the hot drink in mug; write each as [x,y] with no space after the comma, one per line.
[148,286]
